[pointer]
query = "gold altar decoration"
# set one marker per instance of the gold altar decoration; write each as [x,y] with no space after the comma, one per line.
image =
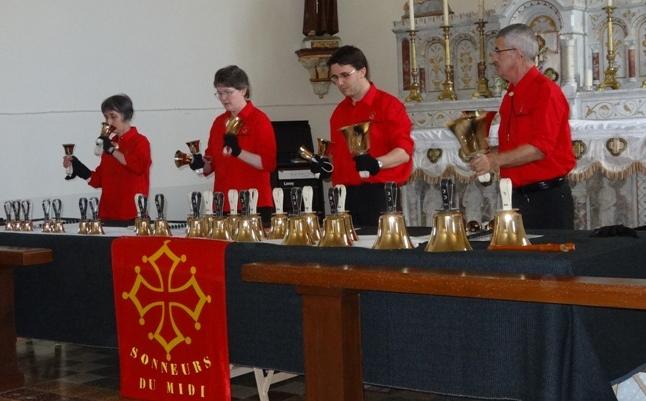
[579,148]
[483,83]
[414,94]
[616,146]
[434,154]
[610,74]
[448,88]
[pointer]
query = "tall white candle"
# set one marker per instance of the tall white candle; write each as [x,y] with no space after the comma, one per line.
[588,79]
[609,3]
[411,14]
[481,9]
[446,12]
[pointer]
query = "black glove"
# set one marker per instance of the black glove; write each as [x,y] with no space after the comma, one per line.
[367,163]
[232,142]
[79,169]
[321,165]
[197,162]
[618,230]
[108,147]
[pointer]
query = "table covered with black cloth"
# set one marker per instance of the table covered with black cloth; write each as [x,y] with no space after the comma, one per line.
[480,348]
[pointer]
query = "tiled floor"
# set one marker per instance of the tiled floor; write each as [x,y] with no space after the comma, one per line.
[69,372]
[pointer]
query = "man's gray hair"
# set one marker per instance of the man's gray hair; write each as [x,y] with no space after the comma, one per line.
[521,37]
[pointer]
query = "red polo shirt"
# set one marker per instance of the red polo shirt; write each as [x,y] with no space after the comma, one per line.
[536,112]
[390,128]
[120,183]
[257,136]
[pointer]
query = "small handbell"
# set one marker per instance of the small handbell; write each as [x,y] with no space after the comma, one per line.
[247,231]
[84,224]
[508,223]
[160,226]
[335,232]
[341,192]
[219,228]
[357,139]
[449,233]
[16,206]
[278,227]
[297,232]
[96,227]
[143,226]
[58,226]
[193,222]
[7,211]
[310,217]
[233,218]
[47,223]
[391,231]
[253,212]
[26,223]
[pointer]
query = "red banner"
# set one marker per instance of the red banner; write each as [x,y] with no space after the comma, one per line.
[171,318]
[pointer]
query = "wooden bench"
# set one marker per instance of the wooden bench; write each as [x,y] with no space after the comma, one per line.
[11,257]
[331,319]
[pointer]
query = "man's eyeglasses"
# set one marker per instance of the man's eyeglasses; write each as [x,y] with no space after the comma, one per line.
[225,93]
[344,75]
[498,51]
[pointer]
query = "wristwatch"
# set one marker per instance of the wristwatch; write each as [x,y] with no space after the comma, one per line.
[380,163]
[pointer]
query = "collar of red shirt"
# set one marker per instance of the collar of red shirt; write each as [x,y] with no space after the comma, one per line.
[524,81]
[367,99]
[246,110]
[132,131]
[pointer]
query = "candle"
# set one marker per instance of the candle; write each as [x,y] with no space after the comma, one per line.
[609,3]
[411,14]
[588,78]
[446,12]
[481,8]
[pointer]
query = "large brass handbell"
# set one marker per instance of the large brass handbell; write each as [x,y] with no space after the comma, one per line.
[233,125]
[182,159]
[357,139]
[160,226]
[472,130]
[297,232]
[449,233]
[247,226]
[391,231]
[340,194]
[311,218]
[193,221]
[233,218]
[508,223]
[218,224]
[335,232]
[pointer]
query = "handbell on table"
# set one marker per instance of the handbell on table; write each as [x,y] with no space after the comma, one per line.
[508,223]
[472,131]
[160,226]
[391,231]
[278,227]
[449,233]
[336,232]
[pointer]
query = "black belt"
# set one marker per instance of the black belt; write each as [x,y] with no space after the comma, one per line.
[540,186]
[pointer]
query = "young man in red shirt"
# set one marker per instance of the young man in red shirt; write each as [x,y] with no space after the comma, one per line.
[389,158]
[534,140]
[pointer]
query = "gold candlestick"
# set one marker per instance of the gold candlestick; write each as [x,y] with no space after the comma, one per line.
[448,91]
[483,83]
[610,74]
[414,94]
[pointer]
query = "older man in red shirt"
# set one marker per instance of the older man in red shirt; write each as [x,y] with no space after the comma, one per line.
[535,144]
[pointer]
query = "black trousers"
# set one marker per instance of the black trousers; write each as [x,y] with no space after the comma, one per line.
[551,208]
[366,202]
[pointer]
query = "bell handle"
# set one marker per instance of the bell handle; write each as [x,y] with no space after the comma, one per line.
[505,193]
[7,209]
[94,207]
[218,202]
[47,206]
[160,205]
[207,196]
[308,197]
[253,201]
[244,202]
[83,208]
[444,191]
[138,204]
[341,191]
[26,209]
[278,195]
[484,178]
[196,203]
[296,198]
[364,174]
[57,206]
[332,198]
[232,195]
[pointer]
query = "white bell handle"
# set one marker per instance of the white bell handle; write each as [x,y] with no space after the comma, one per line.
[484,178]
[505,193]
[364,174]
[253,201]
[233,202]
[342,192]
[278,195]
[207,198]
[308,197]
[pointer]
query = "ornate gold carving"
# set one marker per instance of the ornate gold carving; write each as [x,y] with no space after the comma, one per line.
[616,146]
[434,154]
[579,148]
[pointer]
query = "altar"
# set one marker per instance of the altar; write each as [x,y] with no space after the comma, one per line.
[608,126]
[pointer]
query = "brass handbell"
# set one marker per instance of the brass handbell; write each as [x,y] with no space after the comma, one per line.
[278,227]
[106,133]
[323,146]
[297,232]
[508,223]
[219,227]
[57,224]
[247,230]
[472,131]
[95,226]
[340,193]
[84,224]
[160,226]
[182,159]
[47,223]
[233,125]
[26,224]
[358,140]
[193,221]
[335,230]
[311,218]
[449,233]
[143,226]
[233,218]
[391,231]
